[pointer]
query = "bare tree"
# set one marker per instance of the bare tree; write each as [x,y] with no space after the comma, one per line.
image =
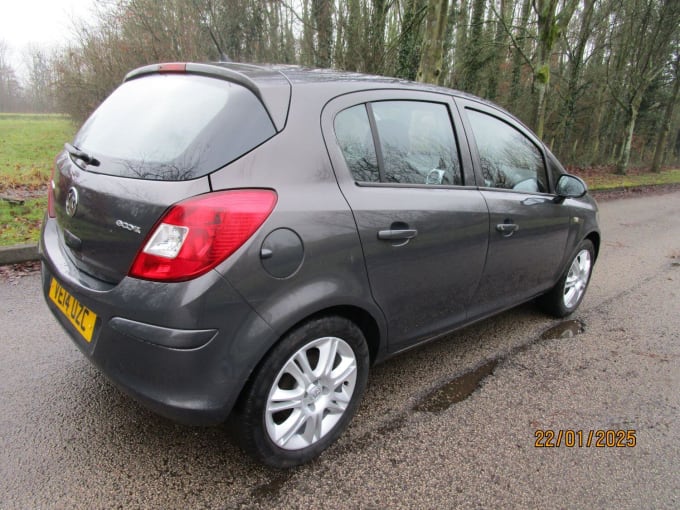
[640,39]
[11,93]
[584,74]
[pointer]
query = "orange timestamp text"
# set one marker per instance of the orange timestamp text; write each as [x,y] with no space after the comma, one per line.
[571,438]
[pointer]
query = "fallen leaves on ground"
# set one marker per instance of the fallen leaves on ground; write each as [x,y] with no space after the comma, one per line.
[14,272]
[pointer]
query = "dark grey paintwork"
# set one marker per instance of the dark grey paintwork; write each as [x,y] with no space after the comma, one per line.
[186,349]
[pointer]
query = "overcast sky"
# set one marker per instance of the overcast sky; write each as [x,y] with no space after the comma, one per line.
[41,22]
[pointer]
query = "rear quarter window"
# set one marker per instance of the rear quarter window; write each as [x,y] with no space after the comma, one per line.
[174,127]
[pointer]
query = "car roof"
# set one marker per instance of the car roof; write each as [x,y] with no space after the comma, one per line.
[332,78]
[273,83]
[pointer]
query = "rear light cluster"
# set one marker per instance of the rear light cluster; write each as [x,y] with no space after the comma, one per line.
[197,234]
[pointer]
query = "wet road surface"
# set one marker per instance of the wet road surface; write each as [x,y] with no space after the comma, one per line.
[454,423]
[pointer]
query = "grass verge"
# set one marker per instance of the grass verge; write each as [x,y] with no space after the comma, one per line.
[21,223]
[608,181]
[28,146]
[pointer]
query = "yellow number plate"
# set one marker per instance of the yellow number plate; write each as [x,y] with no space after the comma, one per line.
[80,316]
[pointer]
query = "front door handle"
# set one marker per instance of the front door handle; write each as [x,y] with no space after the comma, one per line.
[507,229]
[397,235]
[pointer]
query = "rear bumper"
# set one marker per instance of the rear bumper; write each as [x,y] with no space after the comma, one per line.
[184,350]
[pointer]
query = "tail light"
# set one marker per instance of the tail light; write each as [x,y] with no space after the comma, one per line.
[51,212]
[197,234]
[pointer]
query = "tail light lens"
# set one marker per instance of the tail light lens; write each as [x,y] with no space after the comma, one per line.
[197,234]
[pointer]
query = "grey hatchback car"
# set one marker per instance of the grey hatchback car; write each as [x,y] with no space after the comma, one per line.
[231,240]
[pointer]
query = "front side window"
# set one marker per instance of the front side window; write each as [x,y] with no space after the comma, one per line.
[417,143]
[509,159]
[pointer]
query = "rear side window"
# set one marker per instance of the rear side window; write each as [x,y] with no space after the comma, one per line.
[509,159]
[353,132]
[174,127]
[416,143]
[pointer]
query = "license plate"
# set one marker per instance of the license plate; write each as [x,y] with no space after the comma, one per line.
[79,315]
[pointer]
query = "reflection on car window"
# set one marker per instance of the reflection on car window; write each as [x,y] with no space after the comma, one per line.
[509,159]
[353,132]
[173,126]
[417,142]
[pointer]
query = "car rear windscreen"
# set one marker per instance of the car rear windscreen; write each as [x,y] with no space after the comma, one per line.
[173,127]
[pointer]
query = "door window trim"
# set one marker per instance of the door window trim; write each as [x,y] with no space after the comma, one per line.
[377,146]
[343,102]
[514,124]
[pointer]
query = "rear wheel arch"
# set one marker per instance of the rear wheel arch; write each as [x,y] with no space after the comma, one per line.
[257,418]
[365,321]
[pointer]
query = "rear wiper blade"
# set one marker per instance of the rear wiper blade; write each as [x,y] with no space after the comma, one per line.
[84,156]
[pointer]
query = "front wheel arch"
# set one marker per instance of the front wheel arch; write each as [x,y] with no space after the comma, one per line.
[594,238]
[566,295]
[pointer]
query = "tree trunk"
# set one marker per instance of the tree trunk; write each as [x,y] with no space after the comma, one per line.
[518,59]
[631,119]
[377,36]
[550,27]
[541,80]
[546,39]
[353,54]
[430,67]
[449,44]
[307,56]
[500,50]
[575,73]
[474,54]
[410,39]
[666,124]
[322,13]
[460,44]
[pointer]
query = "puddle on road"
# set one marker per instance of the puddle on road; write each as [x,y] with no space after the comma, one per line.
[465,385]
[456,390]
[565,329]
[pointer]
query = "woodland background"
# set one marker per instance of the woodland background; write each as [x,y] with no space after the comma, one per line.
[598,80]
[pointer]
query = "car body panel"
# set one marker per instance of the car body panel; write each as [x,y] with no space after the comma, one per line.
[424,285]
[113,215]
[193,385]
[318,252]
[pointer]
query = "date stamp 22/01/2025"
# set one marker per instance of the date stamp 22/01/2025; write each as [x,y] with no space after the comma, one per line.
[571,438]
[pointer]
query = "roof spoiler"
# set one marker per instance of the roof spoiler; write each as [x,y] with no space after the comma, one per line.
[272,88]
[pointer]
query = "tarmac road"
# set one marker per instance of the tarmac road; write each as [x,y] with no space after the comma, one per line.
[68,439]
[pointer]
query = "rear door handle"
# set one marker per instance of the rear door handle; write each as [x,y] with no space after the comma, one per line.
[397,235]
[507,229]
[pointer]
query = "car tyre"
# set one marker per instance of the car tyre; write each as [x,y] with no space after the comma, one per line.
[304,393]
[567,294]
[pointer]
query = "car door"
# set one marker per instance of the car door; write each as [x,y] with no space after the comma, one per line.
[423,229]
[528,228]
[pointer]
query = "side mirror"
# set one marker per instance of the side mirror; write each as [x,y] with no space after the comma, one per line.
[570,186]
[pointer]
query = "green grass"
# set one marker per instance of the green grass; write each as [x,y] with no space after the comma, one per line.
[28,145]
[21,223]
[607,181]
